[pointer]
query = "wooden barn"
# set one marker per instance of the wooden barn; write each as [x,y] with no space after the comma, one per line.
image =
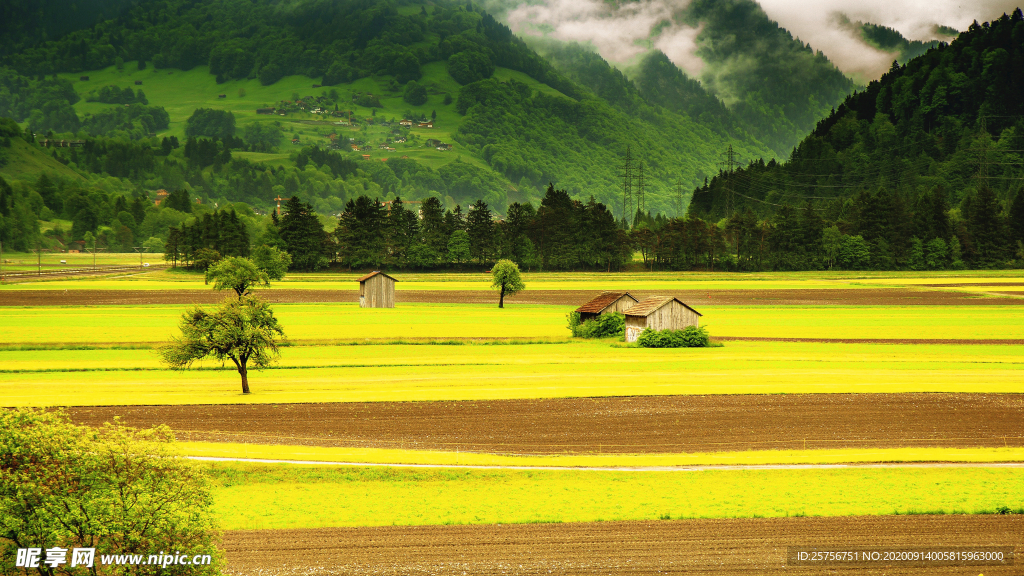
[606,302]
[377,290]
[659,313]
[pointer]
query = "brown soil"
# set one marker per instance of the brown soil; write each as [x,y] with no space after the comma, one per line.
[607,425]
[724,547]
[841,297]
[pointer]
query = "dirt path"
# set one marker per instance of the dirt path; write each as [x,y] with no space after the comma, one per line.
[642,424]
[721,546]
[840,297]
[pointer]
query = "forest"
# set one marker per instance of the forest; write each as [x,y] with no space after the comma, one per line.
[918,170]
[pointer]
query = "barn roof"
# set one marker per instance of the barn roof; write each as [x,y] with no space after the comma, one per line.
[374,273]
[603,301]
[649,305]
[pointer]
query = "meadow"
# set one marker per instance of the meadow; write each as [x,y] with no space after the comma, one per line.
[401,372]
[283,451]
[250,496]
[329,322]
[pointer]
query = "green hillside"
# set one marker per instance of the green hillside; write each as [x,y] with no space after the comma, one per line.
[560,130]
[930,153]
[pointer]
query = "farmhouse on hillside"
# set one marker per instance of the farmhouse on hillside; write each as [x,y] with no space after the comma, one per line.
[606,302]
[377,290]
[659,313]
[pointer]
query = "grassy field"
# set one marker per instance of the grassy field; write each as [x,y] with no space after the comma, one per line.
[346,321]
[450,457]
[263,496]
[640,281]
[472,372]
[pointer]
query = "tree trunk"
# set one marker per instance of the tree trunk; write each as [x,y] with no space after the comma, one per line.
[245,378]
[501,299]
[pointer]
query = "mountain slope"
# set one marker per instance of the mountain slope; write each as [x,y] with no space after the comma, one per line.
[356,48]
[945,130]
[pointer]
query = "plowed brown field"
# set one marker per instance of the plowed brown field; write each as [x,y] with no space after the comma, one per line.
[841,297]
[730,546]
[619,425]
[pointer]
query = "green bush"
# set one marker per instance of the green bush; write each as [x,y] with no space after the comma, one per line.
[604,326]
[689,337]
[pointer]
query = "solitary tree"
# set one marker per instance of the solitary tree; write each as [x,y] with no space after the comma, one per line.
[506,279]
[271,260]
[243,330]
[236,273]
[113,489]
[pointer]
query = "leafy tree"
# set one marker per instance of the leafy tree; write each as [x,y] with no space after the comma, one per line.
[262,136]
[204,258]
[458,247]
[243,330]
[506,278]
[470,66]
[211,123]
[179,200]
[272,261]
[113,488]
[238,274]
[415,94]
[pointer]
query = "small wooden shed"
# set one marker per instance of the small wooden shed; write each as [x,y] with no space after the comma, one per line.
[659,313]
[377,290]
[606,302]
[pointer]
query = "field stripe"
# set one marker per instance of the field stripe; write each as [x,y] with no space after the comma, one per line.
[737,467]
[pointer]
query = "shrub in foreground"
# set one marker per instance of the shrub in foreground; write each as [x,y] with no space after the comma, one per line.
[604,326]
[689,337]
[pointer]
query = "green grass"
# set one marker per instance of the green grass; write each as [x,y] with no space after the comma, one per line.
[25,162]
[346,321]
[18,261]
[260,496]
[284,451]
[468,372]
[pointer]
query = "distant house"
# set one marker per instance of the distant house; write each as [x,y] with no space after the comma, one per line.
[605,303]
[444,147]
[433,142]
[382,146]
[400,140]
[377,290]
[222,95]
[295,141]
[264,110]
[138,82]
[425,125]
[405,123]
[405,157]
[366,156]
[161,193]
[659,313]
[62,143]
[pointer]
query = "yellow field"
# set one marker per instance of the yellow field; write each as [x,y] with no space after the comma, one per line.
[744,458]
[473,372]
[262,496]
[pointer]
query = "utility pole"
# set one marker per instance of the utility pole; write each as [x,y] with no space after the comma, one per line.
[39,260]
[1,260]
[730,165]
[278,205]
[140,250]
[641,205]
[627,187]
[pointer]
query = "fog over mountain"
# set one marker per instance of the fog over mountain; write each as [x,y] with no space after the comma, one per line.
[621,31]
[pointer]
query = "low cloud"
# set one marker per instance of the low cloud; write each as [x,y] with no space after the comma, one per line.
[619,33]
[622,31]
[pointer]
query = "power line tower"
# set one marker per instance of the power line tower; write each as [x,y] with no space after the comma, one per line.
[641,187]
[730,164]
[627,187]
